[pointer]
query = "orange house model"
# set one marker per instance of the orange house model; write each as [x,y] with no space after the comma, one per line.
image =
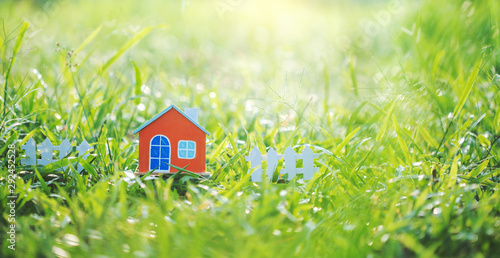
[172,138]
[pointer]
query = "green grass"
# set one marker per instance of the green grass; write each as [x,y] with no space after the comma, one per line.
[400,99]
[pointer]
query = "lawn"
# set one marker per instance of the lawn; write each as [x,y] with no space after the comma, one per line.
[400,100]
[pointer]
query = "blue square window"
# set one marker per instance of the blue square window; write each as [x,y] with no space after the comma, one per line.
[186,149]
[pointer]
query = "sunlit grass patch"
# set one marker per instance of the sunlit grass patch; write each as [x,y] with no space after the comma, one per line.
[399,99]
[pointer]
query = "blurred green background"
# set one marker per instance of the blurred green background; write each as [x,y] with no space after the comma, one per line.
[400,99]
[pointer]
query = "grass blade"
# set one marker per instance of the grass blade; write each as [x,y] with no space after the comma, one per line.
[11,139]
[42,181]
[15,50]
[478,169]
[467,90]
[141,34]
[352,73]
[88,39]
[428,138]
[138,83]
[453,172]
[346,140]
[381,133]
[402,142]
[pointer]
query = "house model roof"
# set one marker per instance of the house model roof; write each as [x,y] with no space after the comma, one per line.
[165,111]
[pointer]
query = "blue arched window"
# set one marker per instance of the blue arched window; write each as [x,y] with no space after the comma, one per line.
[159,153]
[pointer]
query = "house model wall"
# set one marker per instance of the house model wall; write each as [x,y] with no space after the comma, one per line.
[172,138]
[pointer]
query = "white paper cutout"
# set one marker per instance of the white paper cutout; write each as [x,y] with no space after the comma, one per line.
[290,168]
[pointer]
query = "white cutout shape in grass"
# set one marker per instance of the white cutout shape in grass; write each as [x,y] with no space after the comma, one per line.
[290,168]
[47,149]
